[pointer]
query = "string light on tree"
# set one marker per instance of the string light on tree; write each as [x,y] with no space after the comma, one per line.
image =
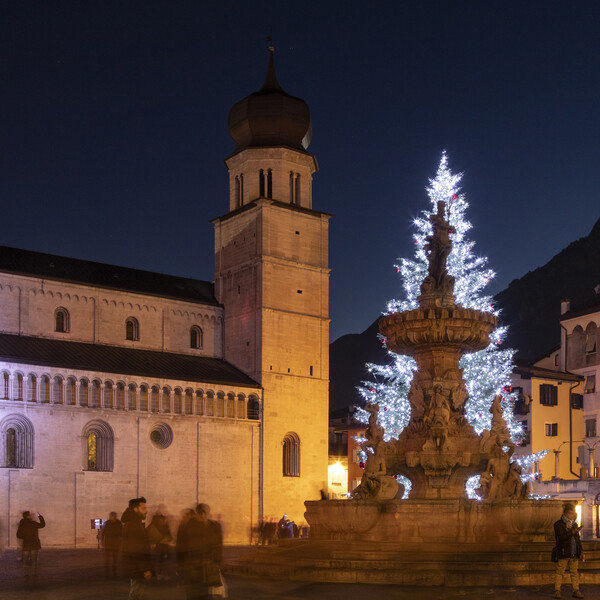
[487,372]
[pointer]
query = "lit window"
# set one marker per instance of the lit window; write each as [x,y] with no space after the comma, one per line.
[291,455]
[196,337]
[132,329]
[551,429]
[16,443]
[99,444]
[61,320]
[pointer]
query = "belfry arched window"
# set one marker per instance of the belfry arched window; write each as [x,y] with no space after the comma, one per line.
[261,183]
[132,329]
[61,320]
[269,183]
[16,442]
[99,446]
[291,455]
[196,337]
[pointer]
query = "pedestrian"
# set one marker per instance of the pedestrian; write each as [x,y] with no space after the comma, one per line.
[285,528]
[136,548]
[159,536]
[568,550]
[110,535]
[199,554]
[28,533]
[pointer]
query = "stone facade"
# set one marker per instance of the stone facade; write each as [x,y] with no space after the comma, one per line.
[116,383]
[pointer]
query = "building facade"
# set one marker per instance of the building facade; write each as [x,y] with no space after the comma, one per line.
[116,383]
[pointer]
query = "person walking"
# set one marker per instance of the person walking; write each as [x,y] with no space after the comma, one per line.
[27,532]
[110,535]
[136,548]
[199,554]
[569,550]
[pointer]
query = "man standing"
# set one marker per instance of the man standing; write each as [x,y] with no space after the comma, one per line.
[136,547]
[199,553]
[569,550]
[111,534]
[28,533]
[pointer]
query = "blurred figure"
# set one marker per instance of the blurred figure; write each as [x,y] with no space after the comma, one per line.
[159,536]
[285,528]
[136,548]
[28,533]
[199,553]
[269,532]
[110,535]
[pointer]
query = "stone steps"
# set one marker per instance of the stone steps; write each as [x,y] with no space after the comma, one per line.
[530,565]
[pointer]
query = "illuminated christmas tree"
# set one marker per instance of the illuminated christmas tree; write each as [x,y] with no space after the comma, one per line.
[486,373]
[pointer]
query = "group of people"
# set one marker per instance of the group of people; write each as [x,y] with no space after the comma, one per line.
[270,531]
[146,550]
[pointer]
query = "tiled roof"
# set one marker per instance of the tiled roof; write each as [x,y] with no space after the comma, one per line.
[120,361]
[74,270]
[528,372]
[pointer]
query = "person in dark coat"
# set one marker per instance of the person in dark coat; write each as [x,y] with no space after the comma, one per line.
[110,535]
[136,547]
[199,553]
[159,535]
[28,533]
[285,528]
[569,550]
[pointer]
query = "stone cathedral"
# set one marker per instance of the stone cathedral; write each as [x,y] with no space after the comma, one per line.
[117,383]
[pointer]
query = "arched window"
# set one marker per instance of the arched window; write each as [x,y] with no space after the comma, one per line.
[196,337]
[16,443]
[220,405]
[120,397]
[210,406]
[61,320]
[261,183]
[238,196]
[144,398]
[177,401]
[132,329]
[189,401]
[297,190]
[71,396]
[269,183]
[154,399]
[57,390]
[291,455]
[253,408]
[5,386]
[199,403]
[32,388]
[99,446]
[84,390]
[230,406]
[241,406]
[96,392]
[18,387]
[45,389]
[591,338]
[166,400]
[108,395]
[131,397]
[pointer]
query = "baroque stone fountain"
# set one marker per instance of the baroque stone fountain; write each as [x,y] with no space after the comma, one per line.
[439,449]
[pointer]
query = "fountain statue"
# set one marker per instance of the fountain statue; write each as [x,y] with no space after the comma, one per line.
[439,449]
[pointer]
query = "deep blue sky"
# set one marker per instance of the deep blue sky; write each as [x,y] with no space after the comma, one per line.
[113,127]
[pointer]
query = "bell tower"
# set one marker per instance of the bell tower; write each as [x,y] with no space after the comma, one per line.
[272,276]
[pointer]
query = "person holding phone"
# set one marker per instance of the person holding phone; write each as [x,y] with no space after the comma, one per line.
[28,533]
[569,550]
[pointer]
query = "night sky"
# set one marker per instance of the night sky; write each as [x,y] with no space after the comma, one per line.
[113,127]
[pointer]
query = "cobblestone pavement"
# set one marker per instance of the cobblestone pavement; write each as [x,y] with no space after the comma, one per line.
[79,575]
